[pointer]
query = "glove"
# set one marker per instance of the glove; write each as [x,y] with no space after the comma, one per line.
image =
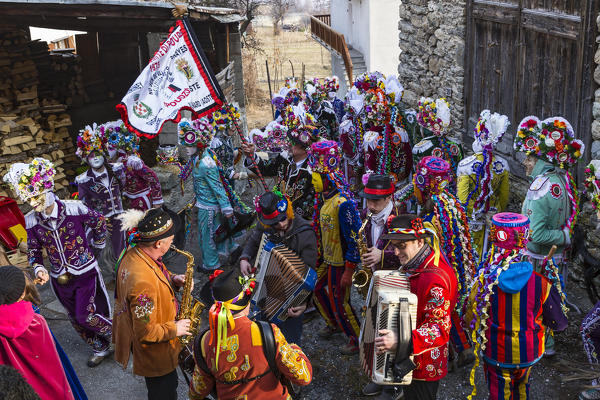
[346,280]
[567,234]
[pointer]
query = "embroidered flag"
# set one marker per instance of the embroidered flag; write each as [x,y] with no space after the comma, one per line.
[178,77]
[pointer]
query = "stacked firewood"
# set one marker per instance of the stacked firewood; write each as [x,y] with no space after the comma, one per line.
[37,88]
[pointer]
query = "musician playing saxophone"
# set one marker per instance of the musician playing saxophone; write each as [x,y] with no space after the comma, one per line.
[277,218]
[145,304]
[378,192]
[434,284]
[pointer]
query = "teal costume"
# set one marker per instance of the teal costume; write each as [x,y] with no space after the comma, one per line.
[548,207]
[213,206]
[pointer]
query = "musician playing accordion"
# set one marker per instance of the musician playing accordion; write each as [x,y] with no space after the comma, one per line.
[434,283]
[277,219]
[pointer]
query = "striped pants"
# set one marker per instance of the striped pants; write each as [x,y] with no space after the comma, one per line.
[333,302]
[507,384]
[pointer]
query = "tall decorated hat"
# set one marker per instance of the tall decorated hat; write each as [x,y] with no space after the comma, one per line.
[552,139]
[431,177]
[509,230]
[434,115]
[196,133]
[223,118]
[592,182]
[118,137]
[324,157]
[31,180]
[489,130]
[89,140]
[273,139]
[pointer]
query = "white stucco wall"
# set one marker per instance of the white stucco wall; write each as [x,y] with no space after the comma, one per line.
[371,27]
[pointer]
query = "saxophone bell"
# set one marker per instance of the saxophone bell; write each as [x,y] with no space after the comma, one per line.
[360,278]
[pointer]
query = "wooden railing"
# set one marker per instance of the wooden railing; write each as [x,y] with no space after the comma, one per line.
[324,18]
[322,32]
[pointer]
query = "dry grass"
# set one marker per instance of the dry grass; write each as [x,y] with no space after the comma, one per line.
[282,52]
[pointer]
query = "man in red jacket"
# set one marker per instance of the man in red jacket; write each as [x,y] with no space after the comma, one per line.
[434,284]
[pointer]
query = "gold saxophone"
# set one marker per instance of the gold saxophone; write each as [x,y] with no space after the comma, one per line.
[362,276]
[190,308]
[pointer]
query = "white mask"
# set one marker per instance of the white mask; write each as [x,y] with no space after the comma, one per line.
[96,162]
[190,151]
[42,202]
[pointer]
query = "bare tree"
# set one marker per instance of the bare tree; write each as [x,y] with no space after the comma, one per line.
[278,10]
[321,6]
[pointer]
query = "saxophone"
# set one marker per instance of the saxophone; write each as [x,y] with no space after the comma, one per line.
[362,277]
[190,308]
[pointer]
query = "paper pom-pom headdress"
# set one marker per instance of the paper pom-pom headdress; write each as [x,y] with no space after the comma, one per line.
[89,140]
[197,133]
[509,230]
[434,115]
[490,128]
[552,139]
[324,157]
[431,177]
[31,180]
[592,182]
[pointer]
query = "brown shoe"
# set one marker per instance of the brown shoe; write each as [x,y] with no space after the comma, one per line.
[327,331]
[349,349]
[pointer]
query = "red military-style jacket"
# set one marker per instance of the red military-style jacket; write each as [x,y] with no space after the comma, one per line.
[435,288]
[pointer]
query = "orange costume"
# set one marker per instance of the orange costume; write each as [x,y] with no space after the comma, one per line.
[243,371]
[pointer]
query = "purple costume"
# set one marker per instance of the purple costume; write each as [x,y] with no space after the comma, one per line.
[63,235]
[104,199]
[142,189]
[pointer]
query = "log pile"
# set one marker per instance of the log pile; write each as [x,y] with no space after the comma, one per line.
[37,88]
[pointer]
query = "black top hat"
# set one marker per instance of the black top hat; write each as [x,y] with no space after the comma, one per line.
[12,284]
[405,227]
[378,187]
[158,223]
[225,287]
[271,208]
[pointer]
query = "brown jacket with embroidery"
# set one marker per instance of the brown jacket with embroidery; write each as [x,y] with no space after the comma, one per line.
[242,357]
[144,316]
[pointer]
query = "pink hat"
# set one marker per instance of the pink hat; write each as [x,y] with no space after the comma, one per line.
[324,157]
[431,177]
[510,230]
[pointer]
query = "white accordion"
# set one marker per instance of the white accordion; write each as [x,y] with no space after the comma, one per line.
[390,305]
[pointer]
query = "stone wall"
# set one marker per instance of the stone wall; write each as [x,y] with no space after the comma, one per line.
[432,44]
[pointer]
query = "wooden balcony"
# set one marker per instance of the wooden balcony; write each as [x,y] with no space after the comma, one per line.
[320,28]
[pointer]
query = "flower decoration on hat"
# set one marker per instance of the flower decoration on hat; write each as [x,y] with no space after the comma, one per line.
[89,140]
[31,180]
[120,138]
[196,133]
[393,90]
[276,137]
[434,115]
[223,118]
[490,128]
[552,139]
[324,157]
[369,81]
[376,107]
[332,85]
[592,182]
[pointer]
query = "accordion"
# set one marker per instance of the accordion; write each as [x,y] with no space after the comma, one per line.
[390,305]
[282,280]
